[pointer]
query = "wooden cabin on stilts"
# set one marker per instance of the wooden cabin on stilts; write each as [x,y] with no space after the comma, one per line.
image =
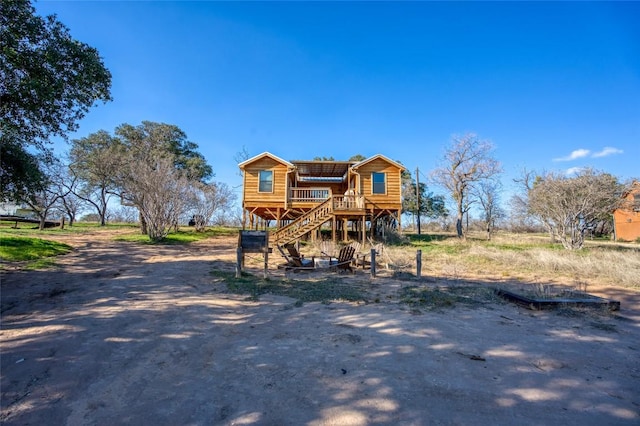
[312,199]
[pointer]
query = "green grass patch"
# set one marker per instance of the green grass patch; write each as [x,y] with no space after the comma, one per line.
[30,230]
[186,236]
[20,249]
[322,290]
[446,297]
[416,239]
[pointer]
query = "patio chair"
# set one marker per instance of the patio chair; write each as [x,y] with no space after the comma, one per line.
[295,260]
[345,258]
[328,248]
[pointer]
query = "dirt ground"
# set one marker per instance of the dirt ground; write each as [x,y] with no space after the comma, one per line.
[127,334]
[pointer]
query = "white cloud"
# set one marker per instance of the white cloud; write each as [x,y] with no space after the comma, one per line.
[578,153]
[606,151]
[573,171]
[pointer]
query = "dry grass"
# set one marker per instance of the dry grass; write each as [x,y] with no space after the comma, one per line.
[522,258]
[593,265]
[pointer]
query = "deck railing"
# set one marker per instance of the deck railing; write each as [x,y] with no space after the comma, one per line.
[348,202]
[319,195]
[312,195]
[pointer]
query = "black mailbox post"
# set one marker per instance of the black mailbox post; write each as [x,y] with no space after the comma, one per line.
[252,242]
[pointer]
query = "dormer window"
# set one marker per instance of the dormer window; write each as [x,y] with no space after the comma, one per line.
[266,181]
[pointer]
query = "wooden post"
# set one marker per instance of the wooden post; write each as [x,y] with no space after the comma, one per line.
[345,230]
[266,263]
[239,262]
[373,263]
[418,198]
[334,223]
[419,263]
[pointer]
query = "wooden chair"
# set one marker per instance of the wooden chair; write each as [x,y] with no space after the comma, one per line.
[328,248]
[290,263]
[356,246]
[345,258]
[296,259]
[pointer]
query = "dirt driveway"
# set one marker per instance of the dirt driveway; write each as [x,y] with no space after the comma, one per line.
[124,334]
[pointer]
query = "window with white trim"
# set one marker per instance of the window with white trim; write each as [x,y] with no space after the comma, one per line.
[266,181]
[378,183]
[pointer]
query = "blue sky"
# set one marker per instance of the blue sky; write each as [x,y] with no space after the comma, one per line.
[554,86]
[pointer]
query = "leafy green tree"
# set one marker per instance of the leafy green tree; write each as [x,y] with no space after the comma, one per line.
[96,162]
[151,140]
[20,172]
[48,82]
[357,157]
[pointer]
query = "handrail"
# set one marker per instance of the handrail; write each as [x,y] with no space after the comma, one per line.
[319,213]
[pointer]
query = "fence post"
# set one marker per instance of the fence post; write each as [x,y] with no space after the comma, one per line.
[419,263]
[373,263]
[239,262]
[266,263]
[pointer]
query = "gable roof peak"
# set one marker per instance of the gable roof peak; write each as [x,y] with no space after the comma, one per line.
[381,157]
[264,154]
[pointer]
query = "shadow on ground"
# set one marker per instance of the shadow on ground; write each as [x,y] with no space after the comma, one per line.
[149,336]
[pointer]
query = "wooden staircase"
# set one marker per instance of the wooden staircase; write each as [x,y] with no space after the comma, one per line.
[307,222]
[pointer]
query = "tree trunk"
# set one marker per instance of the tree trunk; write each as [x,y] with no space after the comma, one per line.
[103,210]
[143,225]
[459,226]
[459,219]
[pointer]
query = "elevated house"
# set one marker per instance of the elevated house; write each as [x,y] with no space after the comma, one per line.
[626,218]
[301,197]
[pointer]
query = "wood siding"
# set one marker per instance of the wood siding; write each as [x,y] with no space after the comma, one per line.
[278,204]
[392,199]
[252,197]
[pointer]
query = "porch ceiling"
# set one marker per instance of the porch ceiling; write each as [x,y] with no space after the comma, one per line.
[322,169]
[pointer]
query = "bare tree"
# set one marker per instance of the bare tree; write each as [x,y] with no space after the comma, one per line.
[488,195]
[53,189]
[159,191]
[208,199]
[124,214]
[573,205]
[71,205]
[521,217]
[241,156]
[467,161]
[143,146]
